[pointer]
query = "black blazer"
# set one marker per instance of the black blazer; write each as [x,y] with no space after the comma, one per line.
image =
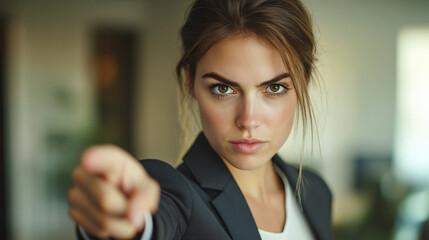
[201,200]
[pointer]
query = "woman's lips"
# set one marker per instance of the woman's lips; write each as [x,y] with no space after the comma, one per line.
[247,146]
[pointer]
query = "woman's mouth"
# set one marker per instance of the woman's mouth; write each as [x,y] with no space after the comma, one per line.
[247,146]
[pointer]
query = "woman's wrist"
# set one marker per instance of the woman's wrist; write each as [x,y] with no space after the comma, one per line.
[146,234]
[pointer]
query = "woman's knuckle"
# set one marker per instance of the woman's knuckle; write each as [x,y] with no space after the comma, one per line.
[103,201]
[74,215]
[101,233]
[104,223]
[76,175]
[71,196]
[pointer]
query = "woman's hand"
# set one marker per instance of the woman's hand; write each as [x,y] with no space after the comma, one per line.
[111,193]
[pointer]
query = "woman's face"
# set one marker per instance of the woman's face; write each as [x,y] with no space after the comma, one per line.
[246,100]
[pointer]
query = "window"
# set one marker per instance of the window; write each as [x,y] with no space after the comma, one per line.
[411,149]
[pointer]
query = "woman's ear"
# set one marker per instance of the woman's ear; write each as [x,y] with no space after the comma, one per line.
[189,80]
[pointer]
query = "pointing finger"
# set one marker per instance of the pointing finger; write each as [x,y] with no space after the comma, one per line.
[101,193]
[106,160]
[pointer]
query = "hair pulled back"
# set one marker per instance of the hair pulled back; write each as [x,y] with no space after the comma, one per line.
[284,24]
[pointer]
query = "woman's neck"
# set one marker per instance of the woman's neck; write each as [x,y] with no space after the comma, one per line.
[256,183]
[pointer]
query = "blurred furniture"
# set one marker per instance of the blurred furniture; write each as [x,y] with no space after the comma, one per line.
[412,221]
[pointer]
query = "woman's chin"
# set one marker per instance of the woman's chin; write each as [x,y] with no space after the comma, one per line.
[247,162]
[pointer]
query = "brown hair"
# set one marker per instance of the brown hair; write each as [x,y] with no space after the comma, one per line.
[285,24]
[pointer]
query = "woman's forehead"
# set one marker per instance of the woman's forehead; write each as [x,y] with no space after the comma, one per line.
[240,58]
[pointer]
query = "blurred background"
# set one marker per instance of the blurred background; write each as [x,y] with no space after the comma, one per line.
[76,73]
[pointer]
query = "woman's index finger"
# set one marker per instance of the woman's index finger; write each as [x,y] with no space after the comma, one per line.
[106,160]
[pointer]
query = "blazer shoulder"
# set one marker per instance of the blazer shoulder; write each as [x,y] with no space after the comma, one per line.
[176,200]
[182,212]
[312,179]
[173,183]
[159,169]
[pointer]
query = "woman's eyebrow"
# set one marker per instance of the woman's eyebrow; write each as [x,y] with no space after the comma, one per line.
[235,84]
[220,79]
[276,79]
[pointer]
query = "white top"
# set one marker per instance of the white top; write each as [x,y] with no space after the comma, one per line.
[296,227]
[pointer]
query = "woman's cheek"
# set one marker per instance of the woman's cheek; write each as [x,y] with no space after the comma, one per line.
[280,117]
[215,116]
[288,120]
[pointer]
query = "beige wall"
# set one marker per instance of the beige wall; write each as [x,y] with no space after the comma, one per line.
[49,51]
[358,64]
[157,125]
[49,45]
[357,52]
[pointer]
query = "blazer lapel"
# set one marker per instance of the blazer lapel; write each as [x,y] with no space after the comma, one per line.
[234,211]
[211,173]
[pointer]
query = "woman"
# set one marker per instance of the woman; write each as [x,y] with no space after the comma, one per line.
[247,64]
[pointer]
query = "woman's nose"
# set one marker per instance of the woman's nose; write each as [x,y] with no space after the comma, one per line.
[248,115]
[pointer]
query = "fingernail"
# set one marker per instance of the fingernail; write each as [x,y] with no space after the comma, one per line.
[138,218]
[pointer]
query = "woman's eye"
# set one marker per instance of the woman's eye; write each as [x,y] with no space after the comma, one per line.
[222,89]
[275,88]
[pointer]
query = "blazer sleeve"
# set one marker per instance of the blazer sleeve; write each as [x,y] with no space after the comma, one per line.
[175,206]
[174,210]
